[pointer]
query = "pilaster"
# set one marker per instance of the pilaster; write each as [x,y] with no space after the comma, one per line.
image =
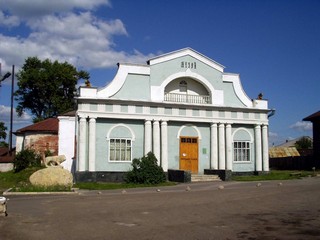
[222,154]
[82,144]
[265,148]
[164,146]
[228,147]
[156,140]
[258,155]
[147,137]
[214,146]
[92,144]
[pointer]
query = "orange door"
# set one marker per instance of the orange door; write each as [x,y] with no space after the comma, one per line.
[189,154]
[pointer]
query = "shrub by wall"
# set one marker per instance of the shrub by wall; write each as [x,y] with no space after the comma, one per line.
[26,158]
[145,170]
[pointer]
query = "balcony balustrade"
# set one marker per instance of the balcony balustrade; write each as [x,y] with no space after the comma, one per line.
[187,98]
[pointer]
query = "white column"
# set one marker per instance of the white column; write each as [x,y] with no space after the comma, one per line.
[82,144]
[92,144]
[156,140]
[257,138]
[214,146]
[222,154]
[147,137]
[228,147]
[164,146]
[265,148]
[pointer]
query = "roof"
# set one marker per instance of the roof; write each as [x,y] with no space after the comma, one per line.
[3,150]
[313,117]
[279,152]
[5,156]
[185,52]
[291,143]
[49,125]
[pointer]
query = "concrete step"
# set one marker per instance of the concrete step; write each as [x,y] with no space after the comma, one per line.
[204,178]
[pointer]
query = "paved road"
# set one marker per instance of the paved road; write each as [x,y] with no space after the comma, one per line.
[290,210]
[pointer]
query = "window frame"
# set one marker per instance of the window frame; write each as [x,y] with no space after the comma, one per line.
[121,150]
[242,152]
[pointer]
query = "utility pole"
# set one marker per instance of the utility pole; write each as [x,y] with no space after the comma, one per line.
[11,114]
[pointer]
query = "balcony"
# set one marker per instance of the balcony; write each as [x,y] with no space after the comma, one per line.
[187,98]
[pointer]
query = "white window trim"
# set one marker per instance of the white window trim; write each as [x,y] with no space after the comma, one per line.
[250,155]
[120,161]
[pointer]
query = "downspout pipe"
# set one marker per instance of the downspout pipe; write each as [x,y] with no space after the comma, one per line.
[272,112]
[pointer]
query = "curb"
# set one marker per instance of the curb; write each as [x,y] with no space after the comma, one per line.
[9,193]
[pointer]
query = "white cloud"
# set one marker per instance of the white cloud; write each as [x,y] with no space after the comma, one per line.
[56,32]
[18,122]
[10,21]
[37,8]
[274,139]
[5,113]
[272,134]
[302,126]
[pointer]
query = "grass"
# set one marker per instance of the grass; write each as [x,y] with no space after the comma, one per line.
[13,180]
[276,175]
[19,182]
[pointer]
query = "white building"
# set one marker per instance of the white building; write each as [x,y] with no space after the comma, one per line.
[183,107]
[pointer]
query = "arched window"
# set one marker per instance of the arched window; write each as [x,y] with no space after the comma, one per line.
[186,90]
[120,138]
[242,142]
[183,86]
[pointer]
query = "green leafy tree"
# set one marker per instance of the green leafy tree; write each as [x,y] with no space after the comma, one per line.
[46,88]
[145,171]
[303,143]
[3,134]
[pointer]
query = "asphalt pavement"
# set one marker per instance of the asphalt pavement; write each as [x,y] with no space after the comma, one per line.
[212,210]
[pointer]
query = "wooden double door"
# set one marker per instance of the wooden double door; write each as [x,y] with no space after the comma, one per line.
[189,154]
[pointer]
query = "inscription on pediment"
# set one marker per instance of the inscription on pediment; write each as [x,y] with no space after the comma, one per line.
[189,65]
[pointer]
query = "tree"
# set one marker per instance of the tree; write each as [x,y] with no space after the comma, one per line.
[3,130]
[3,134]
[303,143]
[46,88]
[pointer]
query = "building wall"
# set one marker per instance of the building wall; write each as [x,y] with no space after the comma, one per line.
[133,106]
[39,142]
[67,141]
[117,128]
[134,129]
[6,167]
[135,88]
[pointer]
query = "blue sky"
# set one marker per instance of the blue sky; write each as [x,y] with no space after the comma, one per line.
[273,44]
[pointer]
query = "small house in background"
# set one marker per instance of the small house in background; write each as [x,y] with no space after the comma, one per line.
[291,146]
[281,152]
[6,159]
[315,119]
[41,136]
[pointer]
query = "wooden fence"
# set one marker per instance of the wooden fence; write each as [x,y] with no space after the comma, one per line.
[294,163]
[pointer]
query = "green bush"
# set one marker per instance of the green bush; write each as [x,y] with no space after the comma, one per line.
[145,171]
[26,158]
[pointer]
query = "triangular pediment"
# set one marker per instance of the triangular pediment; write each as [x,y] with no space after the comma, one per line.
[186,52]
